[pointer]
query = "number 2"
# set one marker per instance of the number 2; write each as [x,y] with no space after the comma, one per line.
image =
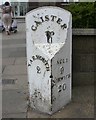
[38,69]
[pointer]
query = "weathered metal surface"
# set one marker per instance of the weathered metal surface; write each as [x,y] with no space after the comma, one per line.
[49,43]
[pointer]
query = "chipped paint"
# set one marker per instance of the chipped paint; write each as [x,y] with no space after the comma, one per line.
[49,51]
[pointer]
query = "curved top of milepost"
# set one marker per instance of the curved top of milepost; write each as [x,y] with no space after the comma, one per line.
[48,7]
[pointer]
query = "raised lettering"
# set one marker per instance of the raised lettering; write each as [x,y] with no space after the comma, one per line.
[62,61]
[63,26]
[42,19]
[53,17]
[59,20]
[63,77]
[29,64]
[33,57]
[61,70]
[31,61]
[39,58]
[64,86]
[37,23]
[46,18]
[34,28]
[61,87]
[38,69]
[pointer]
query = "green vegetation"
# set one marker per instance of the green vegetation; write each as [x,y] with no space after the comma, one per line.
[83,14]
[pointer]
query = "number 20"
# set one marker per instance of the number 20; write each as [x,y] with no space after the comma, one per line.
[61,87]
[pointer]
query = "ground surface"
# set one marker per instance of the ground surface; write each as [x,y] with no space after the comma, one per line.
[15,84]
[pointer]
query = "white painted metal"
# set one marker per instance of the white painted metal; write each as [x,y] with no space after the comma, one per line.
[49,44]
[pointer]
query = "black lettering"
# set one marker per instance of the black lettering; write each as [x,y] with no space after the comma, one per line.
[60,88]
[56,79]
[42,19]
[47,65]
[46,62]
[63,26]
[69,75]
[43,60]
[59,79]
[37,23]
[29,64]
[38,69]
[53,17]
[47,68]
[38,57]
[64,86]
[66,59]
[31,61]
[46,18]
[64,77]
[58,62]
[33,57]
[61,61]
[59,20]
[34,28]
[61,70]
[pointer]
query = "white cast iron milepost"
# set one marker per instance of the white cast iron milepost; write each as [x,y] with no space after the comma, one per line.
[49,57]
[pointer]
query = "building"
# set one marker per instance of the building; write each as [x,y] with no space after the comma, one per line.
[60,3]
[21,8]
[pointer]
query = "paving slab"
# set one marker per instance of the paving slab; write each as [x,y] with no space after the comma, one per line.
[19,82]
[19,52]
[5,53]
[13,115]
[14,51]
[34,114]
[13,101]
[72,110]
[0,61]
[0,65]
[21,61]
[83,94]
[81,106]
[8,61]
[2,68]
[0,76]
[75,110]
[15,70]
[20,34]
[13,41]
[0,99]
[15,44]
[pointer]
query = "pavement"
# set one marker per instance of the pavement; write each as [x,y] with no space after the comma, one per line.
[15,91]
